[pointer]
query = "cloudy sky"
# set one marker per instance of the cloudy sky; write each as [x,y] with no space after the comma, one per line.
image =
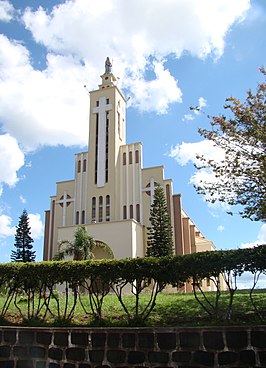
[168,54]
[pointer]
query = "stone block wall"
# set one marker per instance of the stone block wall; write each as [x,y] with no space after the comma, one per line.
[132,347]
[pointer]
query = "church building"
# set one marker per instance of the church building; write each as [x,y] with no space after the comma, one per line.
[111,193]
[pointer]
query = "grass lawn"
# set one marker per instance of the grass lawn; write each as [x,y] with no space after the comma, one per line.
[170,310]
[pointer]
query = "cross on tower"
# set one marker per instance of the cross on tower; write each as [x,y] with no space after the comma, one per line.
[64,202]
[101,110]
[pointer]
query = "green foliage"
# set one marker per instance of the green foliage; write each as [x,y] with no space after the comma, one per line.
[81,248]
[52,291]
[160,237]
[23,241]
[242,173]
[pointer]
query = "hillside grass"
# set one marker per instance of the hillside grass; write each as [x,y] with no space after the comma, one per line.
[170,310]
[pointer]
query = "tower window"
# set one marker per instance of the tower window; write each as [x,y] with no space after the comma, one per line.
[97,103]
[83,217]
[100,209]
[124,212]
[138,212]
[84,165]
[131,211]
[77,217]
[107,208]
[107,100]
[124,158]
[93,209]
[130,157]
[137,156]
[79,166]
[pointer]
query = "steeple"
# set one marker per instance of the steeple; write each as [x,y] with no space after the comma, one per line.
[108,78]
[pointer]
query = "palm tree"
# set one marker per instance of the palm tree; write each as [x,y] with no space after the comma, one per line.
[81,248]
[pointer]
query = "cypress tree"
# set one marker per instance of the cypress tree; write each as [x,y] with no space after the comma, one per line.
[23,241]
[160,235]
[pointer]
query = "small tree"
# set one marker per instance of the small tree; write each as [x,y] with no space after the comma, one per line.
[241,175]
[160,235]
[81,248]
[23,241]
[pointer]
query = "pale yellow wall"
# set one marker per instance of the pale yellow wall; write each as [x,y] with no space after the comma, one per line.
[130,180]
[57,216]
[121,236]
[203,245]
[81,186]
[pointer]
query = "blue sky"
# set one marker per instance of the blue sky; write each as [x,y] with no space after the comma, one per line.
[168,54]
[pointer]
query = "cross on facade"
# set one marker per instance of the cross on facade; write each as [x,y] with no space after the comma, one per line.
[149,189]
[101,154]
[64,202]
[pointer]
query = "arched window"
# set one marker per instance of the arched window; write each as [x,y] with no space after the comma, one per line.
[100,209]
[124,158]
[77,217]
[93,209]
[107,210]
[130,157]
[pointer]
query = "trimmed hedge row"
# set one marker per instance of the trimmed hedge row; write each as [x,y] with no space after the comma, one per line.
[37,282]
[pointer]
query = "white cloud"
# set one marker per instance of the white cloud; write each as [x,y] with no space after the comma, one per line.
[260,240]
[220,228]
[52,105]
[246,280]
[158,92]
[36,225]
[12,159]
[188,117]
[22,199]
[133,29]
[262,234]
[6,11]
[5,226]
[202,102]
[187,152]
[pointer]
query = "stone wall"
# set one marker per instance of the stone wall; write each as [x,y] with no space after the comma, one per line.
[135,347]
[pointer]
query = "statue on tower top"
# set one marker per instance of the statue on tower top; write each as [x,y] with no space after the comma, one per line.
[108,66]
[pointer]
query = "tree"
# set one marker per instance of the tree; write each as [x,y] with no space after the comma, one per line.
[81,248]
[23,241]
[241,175]
[160,235]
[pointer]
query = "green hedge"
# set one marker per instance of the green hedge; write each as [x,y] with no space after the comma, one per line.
[36,282]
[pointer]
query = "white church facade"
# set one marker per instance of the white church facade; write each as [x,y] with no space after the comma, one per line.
[111,193]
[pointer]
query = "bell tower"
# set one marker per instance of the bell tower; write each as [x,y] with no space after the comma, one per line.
[107,132]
